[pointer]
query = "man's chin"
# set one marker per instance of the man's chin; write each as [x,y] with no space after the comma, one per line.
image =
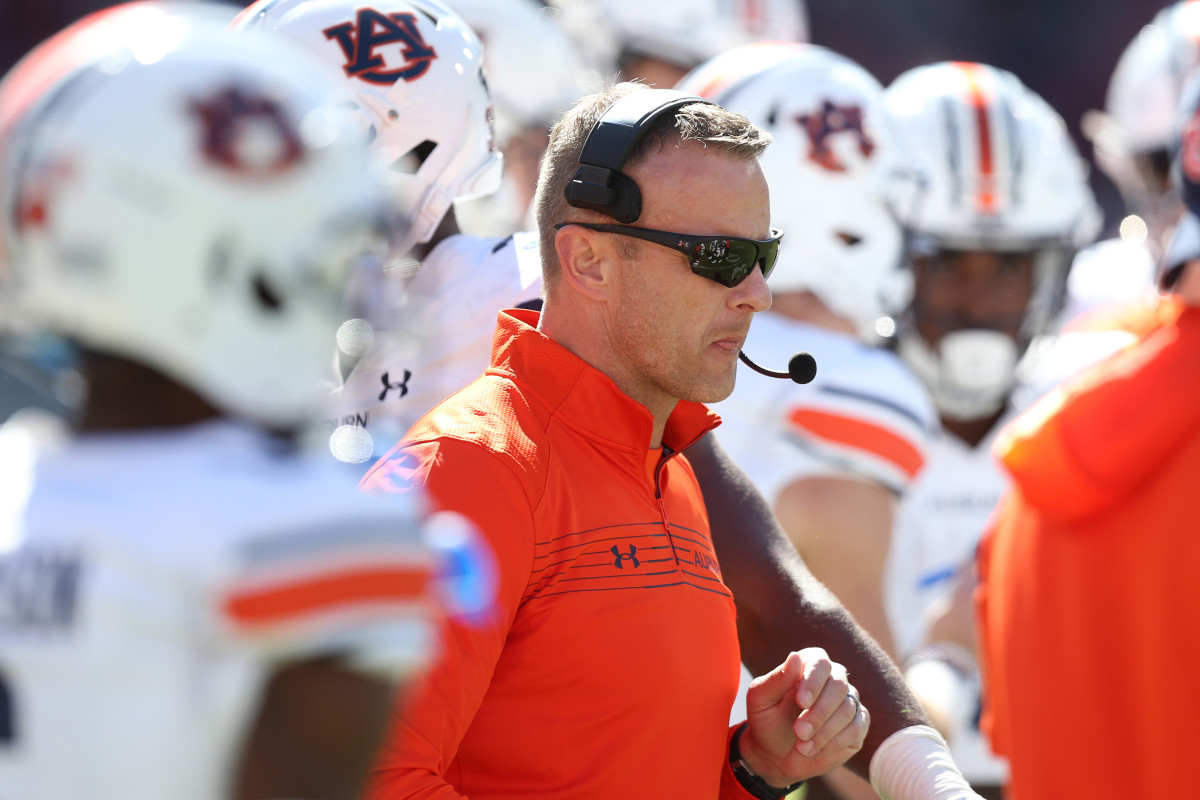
[713,391]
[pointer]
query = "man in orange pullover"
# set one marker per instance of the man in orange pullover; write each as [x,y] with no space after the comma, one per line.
[1090,564]
[611,663]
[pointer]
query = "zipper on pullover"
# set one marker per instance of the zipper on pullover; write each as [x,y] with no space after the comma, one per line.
[668,454]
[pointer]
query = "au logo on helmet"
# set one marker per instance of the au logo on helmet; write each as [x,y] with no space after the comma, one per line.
[247,133]
[372,29]
[830,120]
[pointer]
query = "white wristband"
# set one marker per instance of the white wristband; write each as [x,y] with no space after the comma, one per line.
[915,764]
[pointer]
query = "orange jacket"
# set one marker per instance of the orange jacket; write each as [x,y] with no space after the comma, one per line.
[1089,606]
[610,665]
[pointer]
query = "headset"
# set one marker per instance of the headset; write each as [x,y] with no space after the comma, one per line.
[599,184]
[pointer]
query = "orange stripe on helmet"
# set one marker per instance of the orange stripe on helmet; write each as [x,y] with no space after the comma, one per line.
[980,98]
[864,436]
[742,62]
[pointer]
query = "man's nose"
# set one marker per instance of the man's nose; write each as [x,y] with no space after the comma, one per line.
[753,293]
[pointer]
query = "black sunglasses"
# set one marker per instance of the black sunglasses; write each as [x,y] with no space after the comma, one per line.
[728,260]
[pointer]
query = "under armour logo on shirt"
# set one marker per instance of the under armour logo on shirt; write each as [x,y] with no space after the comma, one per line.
[402,385]
[622,557]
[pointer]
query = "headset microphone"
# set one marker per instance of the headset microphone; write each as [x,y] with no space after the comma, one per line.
[802,367]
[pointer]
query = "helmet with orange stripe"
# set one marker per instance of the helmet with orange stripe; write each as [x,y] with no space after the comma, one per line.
[1005,205]
[834,171]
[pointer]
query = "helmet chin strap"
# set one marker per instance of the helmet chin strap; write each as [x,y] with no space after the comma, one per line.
[971,374]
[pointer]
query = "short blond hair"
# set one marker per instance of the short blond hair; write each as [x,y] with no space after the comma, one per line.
[728,133]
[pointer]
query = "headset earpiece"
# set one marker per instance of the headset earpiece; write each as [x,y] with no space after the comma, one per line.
[599,184]
[607,191]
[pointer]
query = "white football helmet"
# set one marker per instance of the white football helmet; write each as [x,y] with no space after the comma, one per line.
[185,199]
[520,38]
[1133,138]
[834,170]
[415,70]
[682,32]
[1001,174]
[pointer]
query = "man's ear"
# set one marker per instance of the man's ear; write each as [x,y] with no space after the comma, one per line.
[587,260]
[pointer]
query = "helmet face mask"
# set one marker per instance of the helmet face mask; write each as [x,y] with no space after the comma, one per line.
[956,290]
[194,210]
[1040,266]
[414,70]
[1000,178]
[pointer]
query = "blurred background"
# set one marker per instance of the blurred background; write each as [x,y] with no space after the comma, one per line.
[1065,50]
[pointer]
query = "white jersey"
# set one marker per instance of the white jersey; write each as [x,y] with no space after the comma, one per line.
[449,318]
[864,416]
[149,584]
[938,525]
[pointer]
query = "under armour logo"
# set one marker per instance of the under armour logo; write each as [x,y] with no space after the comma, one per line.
[402,385]
[373,29]
[623,557]
[829,120]
[247,133]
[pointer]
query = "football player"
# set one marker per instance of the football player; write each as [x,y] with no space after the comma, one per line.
[1005,207]
[1134,140]
[423,103]
[190,605]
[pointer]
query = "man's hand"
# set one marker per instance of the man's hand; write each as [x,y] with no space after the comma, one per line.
[803,719]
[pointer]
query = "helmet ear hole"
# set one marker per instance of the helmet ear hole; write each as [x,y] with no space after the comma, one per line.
[414,159]
[268,299]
